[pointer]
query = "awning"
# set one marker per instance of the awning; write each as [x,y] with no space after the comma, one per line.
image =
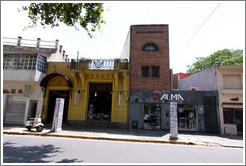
[47,78]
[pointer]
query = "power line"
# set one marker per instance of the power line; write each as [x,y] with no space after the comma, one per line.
[202,24]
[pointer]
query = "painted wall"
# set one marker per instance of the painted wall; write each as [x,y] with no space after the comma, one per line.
[35,94]
[79,93]
[227,95]
[205,81]
[23,75]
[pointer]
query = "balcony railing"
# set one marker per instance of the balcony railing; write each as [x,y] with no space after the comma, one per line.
[30,43]
[100,64]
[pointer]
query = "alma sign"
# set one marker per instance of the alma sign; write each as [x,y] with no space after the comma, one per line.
[165,96]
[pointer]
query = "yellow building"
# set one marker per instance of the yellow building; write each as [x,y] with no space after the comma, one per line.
[95,92]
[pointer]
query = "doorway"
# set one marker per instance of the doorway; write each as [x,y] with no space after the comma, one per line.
[52,103]
[32,109]
[100,101]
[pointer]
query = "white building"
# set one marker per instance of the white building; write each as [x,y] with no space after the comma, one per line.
[228,82]
[24,66]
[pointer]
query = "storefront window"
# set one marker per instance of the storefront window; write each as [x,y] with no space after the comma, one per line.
[152,114]
[187,117]
[234,116]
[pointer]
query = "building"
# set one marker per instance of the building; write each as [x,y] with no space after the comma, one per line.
[178,76]
[134,91]
[95,92]
[24,66]
[151,91]
[228,82]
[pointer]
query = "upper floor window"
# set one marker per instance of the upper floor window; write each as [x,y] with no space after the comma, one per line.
[150,47]
[155,71]
[150,71]
[24,62]
[145,71]
[232,81]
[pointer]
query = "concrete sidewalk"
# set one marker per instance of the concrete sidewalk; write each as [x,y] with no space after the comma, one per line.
[134,136]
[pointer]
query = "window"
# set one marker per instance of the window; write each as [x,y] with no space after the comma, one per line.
[150,47]
[154,71]
[232,115]
[232,81]
[152,116]
[187,117]
[145,71]
[24,62]
[41,63]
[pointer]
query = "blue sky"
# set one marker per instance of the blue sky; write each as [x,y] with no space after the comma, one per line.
[194,29]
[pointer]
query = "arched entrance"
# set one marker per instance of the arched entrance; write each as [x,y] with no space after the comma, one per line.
[56,86]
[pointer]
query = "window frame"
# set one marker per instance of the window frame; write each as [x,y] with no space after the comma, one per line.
[147,46]
[158,72]
[147,67]
[25,62]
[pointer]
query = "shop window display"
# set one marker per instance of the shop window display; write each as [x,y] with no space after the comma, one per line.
[187,117]
[152,114]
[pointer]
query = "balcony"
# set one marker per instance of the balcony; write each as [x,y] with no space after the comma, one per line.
[100,64]
[28,46]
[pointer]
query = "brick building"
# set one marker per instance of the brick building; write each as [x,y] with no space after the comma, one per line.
[147,48]
[151,85]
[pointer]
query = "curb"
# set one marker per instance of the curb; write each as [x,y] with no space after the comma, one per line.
[113,139]
[101,138]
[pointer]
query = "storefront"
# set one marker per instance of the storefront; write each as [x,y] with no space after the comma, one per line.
[150,110]
[21,100]
[56,85]
[95,93]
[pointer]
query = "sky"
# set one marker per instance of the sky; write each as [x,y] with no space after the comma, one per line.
[196,28]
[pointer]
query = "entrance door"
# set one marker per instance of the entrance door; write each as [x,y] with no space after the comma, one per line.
[32,109]
[210,113]
[52,103]
[100,101]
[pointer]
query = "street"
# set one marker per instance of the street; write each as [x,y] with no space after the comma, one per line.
[37,149]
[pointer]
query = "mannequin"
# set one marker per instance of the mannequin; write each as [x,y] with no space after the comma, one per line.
[191,120]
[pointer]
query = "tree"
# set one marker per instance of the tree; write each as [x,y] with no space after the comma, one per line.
[221,57]
[86,15]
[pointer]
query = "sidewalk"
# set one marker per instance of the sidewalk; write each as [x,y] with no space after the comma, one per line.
[134,136]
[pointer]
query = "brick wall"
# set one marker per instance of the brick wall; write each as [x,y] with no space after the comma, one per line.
[141,35]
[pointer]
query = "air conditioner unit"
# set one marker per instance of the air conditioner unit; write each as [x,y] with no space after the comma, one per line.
[193,88]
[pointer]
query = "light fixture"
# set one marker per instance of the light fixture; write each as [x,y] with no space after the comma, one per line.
[95,94]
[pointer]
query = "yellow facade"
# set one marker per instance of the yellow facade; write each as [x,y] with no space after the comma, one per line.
[79,93]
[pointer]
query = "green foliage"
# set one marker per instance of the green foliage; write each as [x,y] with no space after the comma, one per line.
[86,15]
[219,58]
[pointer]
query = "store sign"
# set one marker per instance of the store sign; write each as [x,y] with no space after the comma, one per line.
[165,96]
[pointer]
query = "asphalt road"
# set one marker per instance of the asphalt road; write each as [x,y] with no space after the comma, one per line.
[37,149]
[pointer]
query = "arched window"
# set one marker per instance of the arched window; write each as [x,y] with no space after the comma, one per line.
[150,47]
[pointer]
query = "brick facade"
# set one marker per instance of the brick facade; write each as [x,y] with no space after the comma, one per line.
[153,34]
